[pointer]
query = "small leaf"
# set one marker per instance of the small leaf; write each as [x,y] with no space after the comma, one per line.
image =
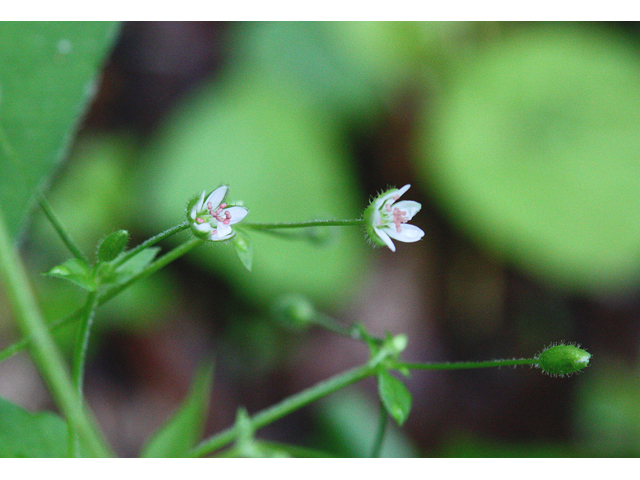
[113,245]
[181,432]
[30,435]
[395,396]
[244,249]
[77,271]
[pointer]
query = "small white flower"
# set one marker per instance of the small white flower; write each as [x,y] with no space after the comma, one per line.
[385,219]
[211,219]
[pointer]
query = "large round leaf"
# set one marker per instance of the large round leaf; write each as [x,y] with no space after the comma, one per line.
[535,150]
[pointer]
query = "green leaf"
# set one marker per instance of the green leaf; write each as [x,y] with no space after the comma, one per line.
[533,150]
[77,271]
[30,435]
[185,427]
[47,79]
[395,396]
[244,249]
[113,245]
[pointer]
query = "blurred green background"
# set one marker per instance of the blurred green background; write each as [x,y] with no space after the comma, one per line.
[522,142]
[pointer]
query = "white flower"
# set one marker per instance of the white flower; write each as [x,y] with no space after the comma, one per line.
[385,219]
[211,219]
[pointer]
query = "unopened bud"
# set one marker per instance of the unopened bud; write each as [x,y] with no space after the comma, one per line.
[294,311]
[563,359]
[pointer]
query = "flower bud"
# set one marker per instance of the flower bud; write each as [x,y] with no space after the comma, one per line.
[294,311]
[563,359]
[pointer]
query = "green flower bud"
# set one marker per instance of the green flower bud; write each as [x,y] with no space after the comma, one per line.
[563,359]
[294,311]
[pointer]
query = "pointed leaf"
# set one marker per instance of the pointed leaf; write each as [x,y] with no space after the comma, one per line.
[47,79]
[113,245]
[395,397]
[184,428]
[244,249]
[77,271]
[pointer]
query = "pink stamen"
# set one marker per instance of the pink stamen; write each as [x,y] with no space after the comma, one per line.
[217,214]
[199,220]
[399,217]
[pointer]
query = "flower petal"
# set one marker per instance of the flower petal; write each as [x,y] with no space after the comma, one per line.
[217,196]
[197,206]
[408,233]
[202,227]
[237,213]
[389,195]
[409,207]
[385,238]
[223,230]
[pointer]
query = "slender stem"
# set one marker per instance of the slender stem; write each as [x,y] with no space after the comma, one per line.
[107,295]
[305,224]
[152,241]
[45,353]
[285,407]
[382,428]
[466,365]
[79,360]
[329,323]
[64,236]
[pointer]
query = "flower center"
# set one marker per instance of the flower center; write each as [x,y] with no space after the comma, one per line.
[399,217]
[218,213]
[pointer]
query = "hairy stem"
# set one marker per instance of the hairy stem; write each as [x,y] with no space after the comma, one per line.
[285,407]
[305,224]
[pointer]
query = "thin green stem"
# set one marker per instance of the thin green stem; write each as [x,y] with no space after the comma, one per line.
[45,353]
[64,236]
[305,224]
[79,359]
[285,407]
[329,323]
[107,294]
[466,365]
[151,241]
[382,429]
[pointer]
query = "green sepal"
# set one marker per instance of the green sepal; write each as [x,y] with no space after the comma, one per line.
[112,245]
[243,248]
[181,432]
[563,359]
[77,271]
[394,396]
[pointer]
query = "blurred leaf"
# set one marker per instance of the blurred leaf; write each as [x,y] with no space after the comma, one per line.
[346,69]
[395,397]
[534,149]
[283,161]
[94,196]
[185,427]
[244,249]
[47,78]
[607,411]
[349,421]
[77,271]
[31,435]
